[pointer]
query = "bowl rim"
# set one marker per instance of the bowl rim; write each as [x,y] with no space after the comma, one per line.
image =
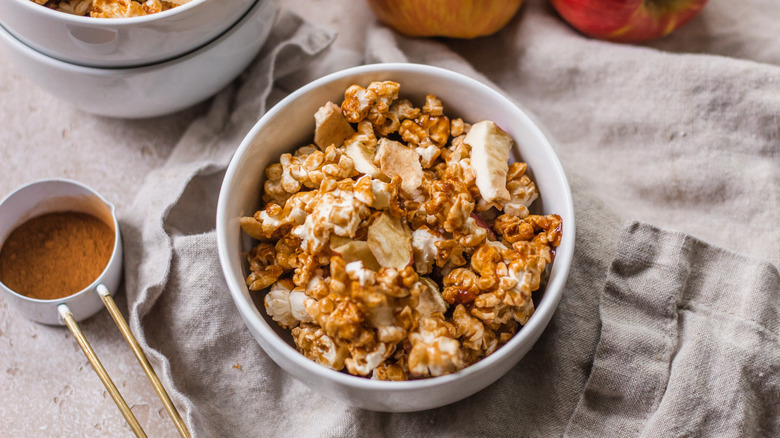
[50,61]
[36,8]
[247,309]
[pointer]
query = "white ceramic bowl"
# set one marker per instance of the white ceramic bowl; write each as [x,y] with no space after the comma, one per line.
[152,90]
[290,124]
[120,42]
[50,196]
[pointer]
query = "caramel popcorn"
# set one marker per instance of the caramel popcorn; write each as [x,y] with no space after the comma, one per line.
[111,8]
[400,244]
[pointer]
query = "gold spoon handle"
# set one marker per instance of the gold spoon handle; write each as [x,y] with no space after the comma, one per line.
[67,316]
[139,354]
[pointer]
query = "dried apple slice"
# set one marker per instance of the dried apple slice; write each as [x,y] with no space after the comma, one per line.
[490,147]
[390,241]
[363,158]
[331,127]
[396,159]
[337,241]
[358,250]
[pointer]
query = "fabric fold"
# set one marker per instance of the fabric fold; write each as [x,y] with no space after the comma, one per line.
[154,225]
[681,354]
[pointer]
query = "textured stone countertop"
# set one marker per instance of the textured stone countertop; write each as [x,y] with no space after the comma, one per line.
[47,386]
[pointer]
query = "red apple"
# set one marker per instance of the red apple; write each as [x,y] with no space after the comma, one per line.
[448,18]
[627,21]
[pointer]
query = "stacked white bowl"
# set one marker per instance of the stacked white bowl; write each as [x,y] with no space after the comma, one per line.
[135,67]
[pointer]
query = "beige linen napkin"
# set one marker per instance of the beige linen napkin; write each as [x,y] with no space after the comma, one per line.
[689,342]
[659,332]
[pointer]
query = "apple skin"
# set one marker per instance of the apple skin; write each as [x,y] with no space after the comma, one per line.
[463,19]
[627,21]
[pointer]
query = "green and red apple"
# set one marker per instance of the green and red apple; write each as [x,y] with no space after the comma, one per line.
[628,21]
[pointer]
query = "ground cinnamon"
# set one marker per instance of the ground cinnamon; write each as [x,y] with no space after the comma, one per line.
[55,255]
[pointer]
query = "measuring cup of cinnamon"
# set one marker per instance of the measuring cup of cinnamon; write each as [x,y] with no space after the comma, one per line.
[59,240]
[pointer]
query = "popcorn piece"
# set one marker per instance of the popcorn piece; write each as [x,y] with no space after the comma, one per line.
[363,361]
[390,242]
[363,189]
[383,193]
[460,286]
[433,106]
[319,347]
[489,158]
[386,92]
[424,246]
[310,170]
[395,159]
[392,372]
[273,192]
[275,221]
[513,229]
[403,109]
[434,351]
[510,275]
[339,316]
[370,103]
[263,271]
[154,6]
[336,211]
[450,255]
[365,135]
[306,267]
[298,303]
[458,127]
[277,304]
[357,271]
[357,103]
[428,155]
[450,204]
[551,224]
[396,282]
[331,127]
[426,130]
[286,304]
[472,333]
[115,9]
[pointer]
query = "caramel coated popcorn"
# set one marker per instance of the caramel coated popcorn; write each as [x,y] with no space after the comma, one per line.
[111,8]
[399,245]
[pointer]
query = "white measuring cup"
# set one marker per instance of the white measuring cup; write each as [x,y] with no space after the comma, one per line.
[51,196]
[61,195]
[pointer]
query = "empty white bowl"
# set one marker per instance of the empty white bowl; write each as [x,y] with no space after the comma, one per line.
[120,42]
[290,124]
[155,89]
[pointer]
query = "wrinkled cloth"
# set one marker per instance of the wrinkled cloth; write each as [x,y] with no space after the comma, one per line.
[669,324]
